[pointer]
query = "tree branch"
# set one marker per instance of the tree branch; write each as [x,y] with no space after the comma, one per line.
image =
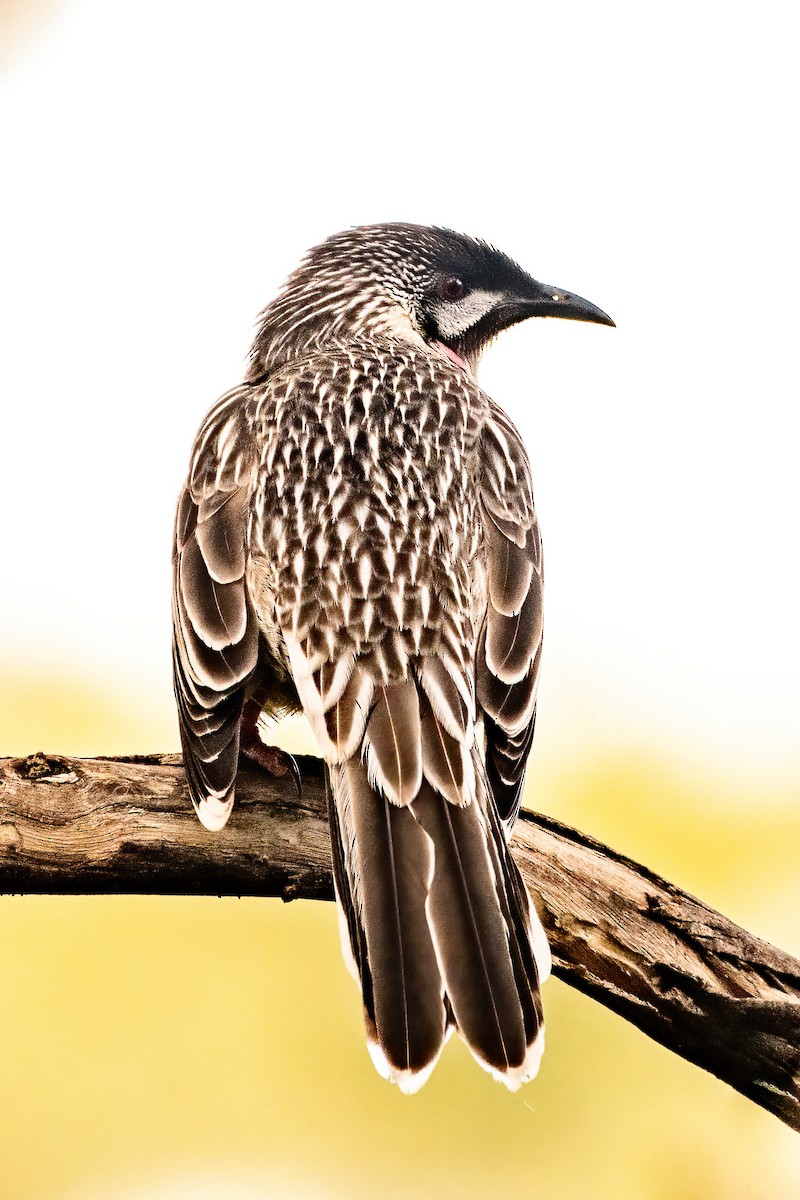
[670,965]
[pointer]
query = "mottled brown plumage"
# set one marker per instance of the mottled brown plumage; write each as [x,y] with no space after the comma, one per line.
[357,538]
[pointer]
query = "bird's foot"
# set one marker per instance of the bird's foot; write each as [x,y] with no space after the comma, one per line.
[276,762]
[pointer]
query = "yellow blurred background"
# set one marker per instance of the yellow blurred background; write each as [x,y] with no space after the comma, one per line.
[166,164]
[200,1049]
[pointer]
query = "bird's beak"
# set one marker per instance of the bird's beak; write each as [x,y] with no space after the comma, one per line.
[542,300]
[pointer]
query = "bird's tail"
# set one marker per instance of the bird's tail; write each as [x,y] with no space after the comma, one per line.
[436,922]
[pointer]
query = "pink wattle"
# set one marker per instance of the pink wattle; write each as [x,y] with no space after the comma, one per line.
[455,358]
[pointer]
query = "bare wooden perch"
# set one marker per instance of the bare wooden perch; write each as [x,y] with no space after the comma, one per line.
[676,969]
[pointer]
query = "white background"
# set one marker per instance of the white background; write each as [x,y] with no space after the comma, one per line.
[166,166]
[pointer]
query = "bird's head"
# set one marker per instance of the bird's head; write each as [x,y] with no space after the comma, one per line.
[407,282]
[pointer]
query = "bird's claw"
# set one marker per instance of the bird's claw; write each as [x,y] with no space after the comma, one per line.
[276,762]
[296,776]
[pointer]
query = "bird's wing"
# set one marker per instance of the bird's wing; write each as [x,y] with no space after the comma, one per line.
[510,645]
[215,633]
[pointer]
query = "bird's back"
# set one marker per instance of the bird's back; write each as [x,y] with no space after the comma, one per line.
[367,539]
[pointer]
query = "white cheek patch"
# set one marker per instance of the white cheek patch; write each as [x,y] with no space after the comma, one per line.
[456,318]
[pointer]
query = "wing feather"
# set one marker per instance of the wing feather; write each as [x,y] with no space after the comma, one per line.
[215,632]
[509,648]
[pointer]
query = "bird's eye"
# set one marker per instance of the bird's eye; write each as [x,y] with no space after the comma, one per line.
[452,288]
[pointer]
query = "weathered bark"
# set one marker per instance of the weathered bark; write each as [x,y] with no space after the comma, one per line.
[670,965]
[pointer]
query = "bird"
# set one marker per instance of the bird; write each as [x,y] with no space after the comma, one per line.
[357,541]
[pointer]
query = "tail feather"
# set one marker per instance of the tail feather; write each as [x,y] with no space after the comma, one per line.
[480,924]
[437,923]
[392,741]
[446,760]
[383,878]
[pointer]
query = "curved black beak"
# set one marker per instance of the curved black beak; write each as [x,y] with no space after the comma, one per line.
[542,300]
[524,297]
